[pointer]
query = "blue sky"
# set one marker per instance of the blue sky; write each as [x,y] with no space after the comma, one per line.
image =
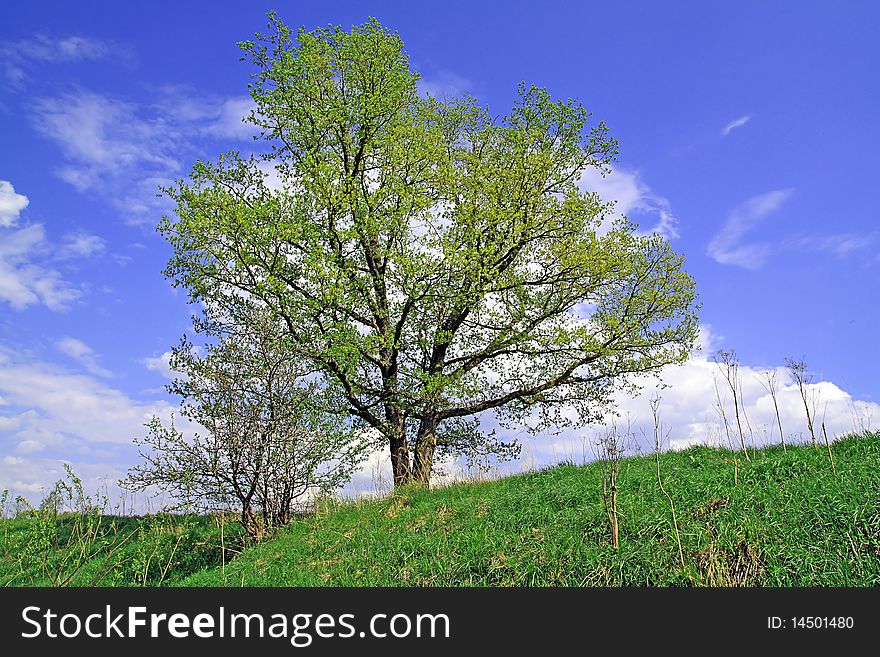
[748,135]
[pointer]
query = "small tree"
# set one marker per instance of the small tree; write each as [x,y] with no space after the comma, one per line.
[612,446]
[268,439]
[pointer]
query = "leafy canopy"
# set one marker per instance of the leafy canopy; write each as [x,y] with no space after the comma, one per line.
[432,261]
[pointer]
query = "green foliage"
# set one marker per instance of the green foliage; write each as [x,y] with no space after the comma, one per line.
[789,521]
[432,261]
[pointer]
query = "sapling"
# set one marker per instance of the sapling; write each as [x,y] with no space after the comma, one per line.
[612,446]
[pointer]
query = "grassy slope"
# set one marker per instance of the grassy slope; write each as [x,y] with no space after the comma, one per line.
[121,551]
[787,521]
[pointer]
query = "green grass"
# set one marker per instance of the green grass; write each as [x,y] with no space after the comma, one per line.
[785,519]
[40,549]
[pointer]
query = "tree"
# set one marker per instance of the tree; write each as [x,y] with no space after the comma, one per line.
[268,439]
[433,262]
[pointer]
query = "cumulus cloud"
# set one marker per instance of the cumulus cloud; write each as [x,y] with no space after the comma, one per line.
[56,400]
[53,412]
[728,246]
[736,123]
[50,411]
[33,475]
[11,204]
[689,413]
[632,198]
[689,410]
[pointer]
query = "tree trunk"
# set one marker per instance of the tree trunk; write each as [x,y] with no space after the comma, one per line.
[400,466]
[426,443]
[251,524]
[400,462]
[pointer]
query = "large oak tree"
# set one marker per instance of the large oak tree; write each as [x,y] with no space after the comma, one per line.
[433,261]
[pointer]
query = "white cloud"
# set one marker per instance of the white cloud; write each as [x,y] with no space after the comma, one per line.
[19,56]
[11,204]
[839,245]
[707,339]
[688,410]
[25,277]
[80,245]
[161,364]
[183,108]
[443,85]
[22,281]
[33,475]
[53,411]
[124,152]
[30,446]
[736,123]
[111,148]
[83,354]
[632,198]
[727,246]
[27,487]
[67,49]
[272,178]
[51,408]
[229,122]
[49,404]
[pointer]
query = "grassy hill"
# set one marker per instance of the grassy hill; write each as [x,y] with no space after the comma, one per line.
[785,519]
[97,550]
